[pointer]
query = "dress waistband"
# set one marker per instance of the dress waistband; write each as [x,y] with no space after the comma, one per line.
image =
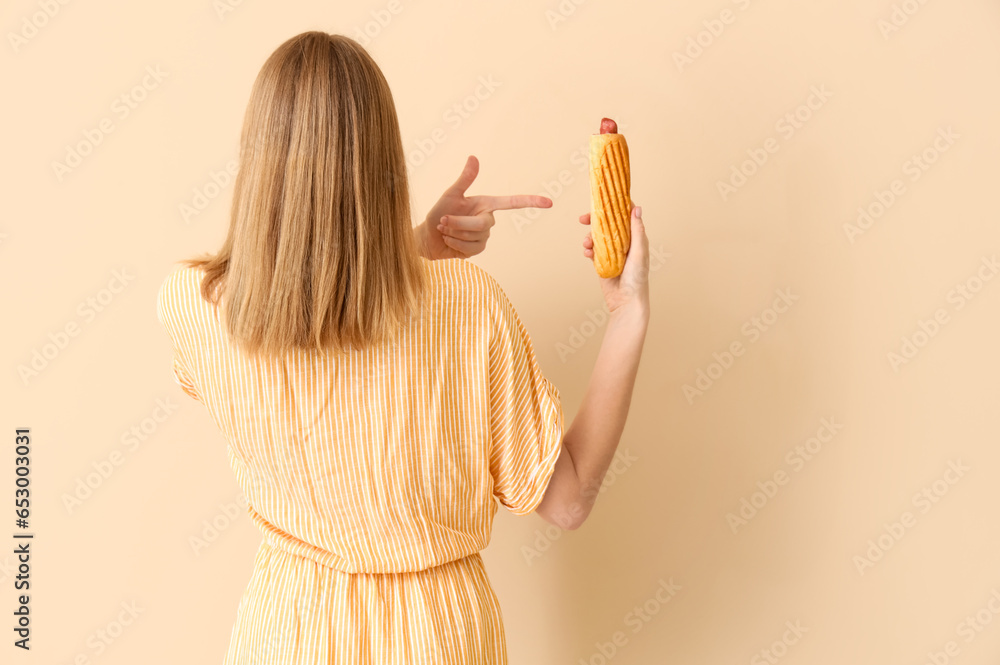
[286,542]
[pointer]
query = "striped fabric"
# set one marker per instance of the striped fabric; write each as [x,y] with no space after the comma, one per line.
[374,475]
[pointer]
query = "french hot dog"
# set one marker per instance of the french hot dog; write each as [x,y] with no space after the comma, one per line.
[610,199]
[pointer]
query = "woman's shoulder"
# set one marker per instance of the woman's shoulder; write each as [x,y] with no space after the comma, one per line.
[461,281]
[181,272]
[461,276]
[179,291]
[179,279]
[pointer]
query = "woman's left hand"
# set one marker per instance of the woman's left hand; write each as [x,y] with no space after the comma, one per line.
[458,226]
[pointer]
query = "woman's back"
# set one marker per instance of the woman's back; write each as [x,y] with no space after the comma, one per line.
[372,473]
[385,459]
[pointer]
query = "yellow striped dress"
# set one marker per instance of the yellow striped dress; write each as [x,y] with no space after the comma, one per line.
[374,475]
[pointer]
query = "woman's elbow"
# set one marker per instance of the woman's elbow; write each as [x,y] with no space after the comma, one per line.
[566,502]
[569,516]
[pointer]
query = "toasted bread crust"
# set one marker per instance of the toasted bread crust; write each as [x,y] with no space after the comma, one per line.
[610,202]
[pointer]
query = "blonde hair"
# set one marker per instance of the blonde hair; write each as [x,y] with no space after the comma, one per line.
[320,251]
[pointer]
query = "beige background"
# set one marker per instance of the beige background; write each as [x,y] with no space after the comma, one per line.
[690,460]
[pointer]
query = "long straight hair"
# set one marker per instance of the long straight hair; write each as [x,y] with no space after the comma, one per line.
[320,252]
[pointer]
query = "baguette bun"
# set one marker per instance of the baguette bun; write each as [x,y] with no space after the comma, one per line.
[610,202]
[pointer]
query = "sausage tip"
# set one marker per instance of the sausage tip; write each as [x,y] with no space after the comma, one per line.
[608,126]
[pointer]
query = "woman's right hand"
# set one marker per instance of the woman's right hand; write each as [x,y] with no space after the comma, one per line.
[630,290]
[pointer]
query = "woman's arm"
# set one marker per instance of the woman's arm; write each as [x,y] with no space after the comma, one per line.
[590,443]
[423,242]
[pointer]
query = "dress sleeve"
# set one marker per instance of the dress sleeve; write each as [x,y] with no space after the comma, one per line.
[182,378]
[166,311]
[526,417]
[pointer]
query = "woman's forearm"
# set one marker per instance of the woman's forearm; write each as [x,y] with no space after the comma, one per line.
[590,443]
[421,240]
[593,436]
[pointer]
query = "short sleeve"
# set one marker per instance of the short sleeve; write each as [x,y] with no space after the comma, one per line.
[182,378]
[166,313]
[526,417]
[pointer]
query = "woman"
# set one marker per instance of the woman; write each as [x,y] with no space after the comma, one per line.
[378,393]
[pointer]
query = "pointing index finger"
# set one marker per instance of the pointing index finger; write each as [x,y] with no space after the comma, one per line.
[515,201]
